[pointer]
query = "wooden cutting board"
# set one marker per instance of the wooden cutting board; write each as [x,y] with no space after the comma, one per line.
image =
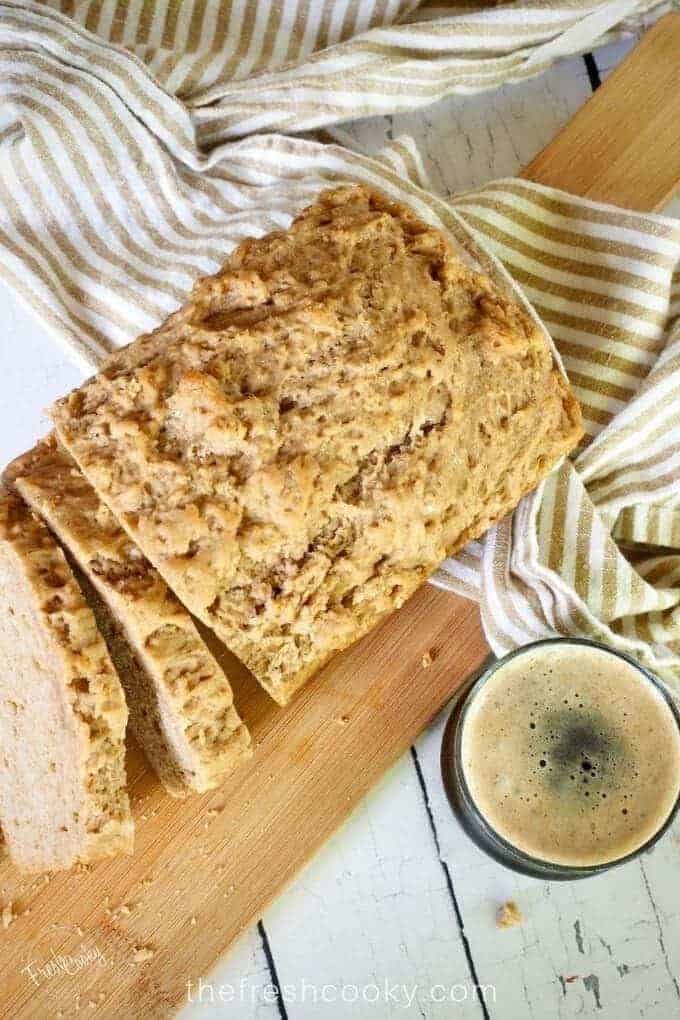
[206,868]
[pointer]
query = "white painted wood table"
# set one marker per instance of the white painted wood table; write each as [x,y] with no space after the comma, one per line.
[396,916]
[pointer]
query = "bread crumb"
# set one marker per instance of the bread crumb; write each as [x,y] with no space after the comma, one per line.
[427,659]
[7,915]
[142,953]
[509,915]
[79,931]
[124,909]
[193,920]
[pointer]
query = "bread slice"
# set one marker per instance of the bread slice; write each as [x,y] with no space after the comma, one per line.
[62,709]
[299,446]
[181,704]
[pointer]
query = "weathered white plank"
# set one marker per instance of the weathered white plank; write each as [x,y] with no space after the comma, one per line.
[35,371]
[608,57]
[372,917]
[240,986]
[468,140]
[659,871]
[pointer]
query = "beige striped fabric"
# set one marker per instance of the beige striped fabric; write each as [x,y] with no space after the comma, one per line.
[140,141]
[246,66]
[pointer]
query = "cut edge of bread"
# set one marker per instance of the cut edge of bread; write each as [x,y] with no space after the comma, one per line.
[63,702]
[180,700]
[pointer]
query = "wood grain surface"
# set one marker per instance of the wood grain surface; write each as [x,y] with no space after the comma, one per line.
[205,868]
[623,146]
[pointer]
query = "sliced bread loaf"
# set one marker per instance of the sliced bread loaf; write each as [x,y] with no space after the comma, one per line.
[327,418]
[62,710]
[181,704]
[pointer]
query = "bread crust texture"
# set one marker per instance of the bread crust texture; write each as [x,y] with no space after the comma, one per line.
[338,409]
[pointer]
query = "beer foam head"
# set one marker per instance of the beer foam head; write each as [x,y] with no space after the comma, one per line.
[571,754]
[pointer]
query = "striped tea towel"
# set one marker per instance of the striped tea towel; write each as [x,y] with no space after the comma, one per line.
[140,141]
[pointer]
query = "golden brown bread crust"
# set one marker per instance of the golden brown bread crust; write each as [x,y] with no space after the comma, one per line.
[181,704]
[327,418]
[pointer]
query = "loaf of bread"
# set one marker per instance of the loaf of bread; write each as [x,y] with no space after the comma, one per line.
[62,710]
[180,701]
[327,418]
